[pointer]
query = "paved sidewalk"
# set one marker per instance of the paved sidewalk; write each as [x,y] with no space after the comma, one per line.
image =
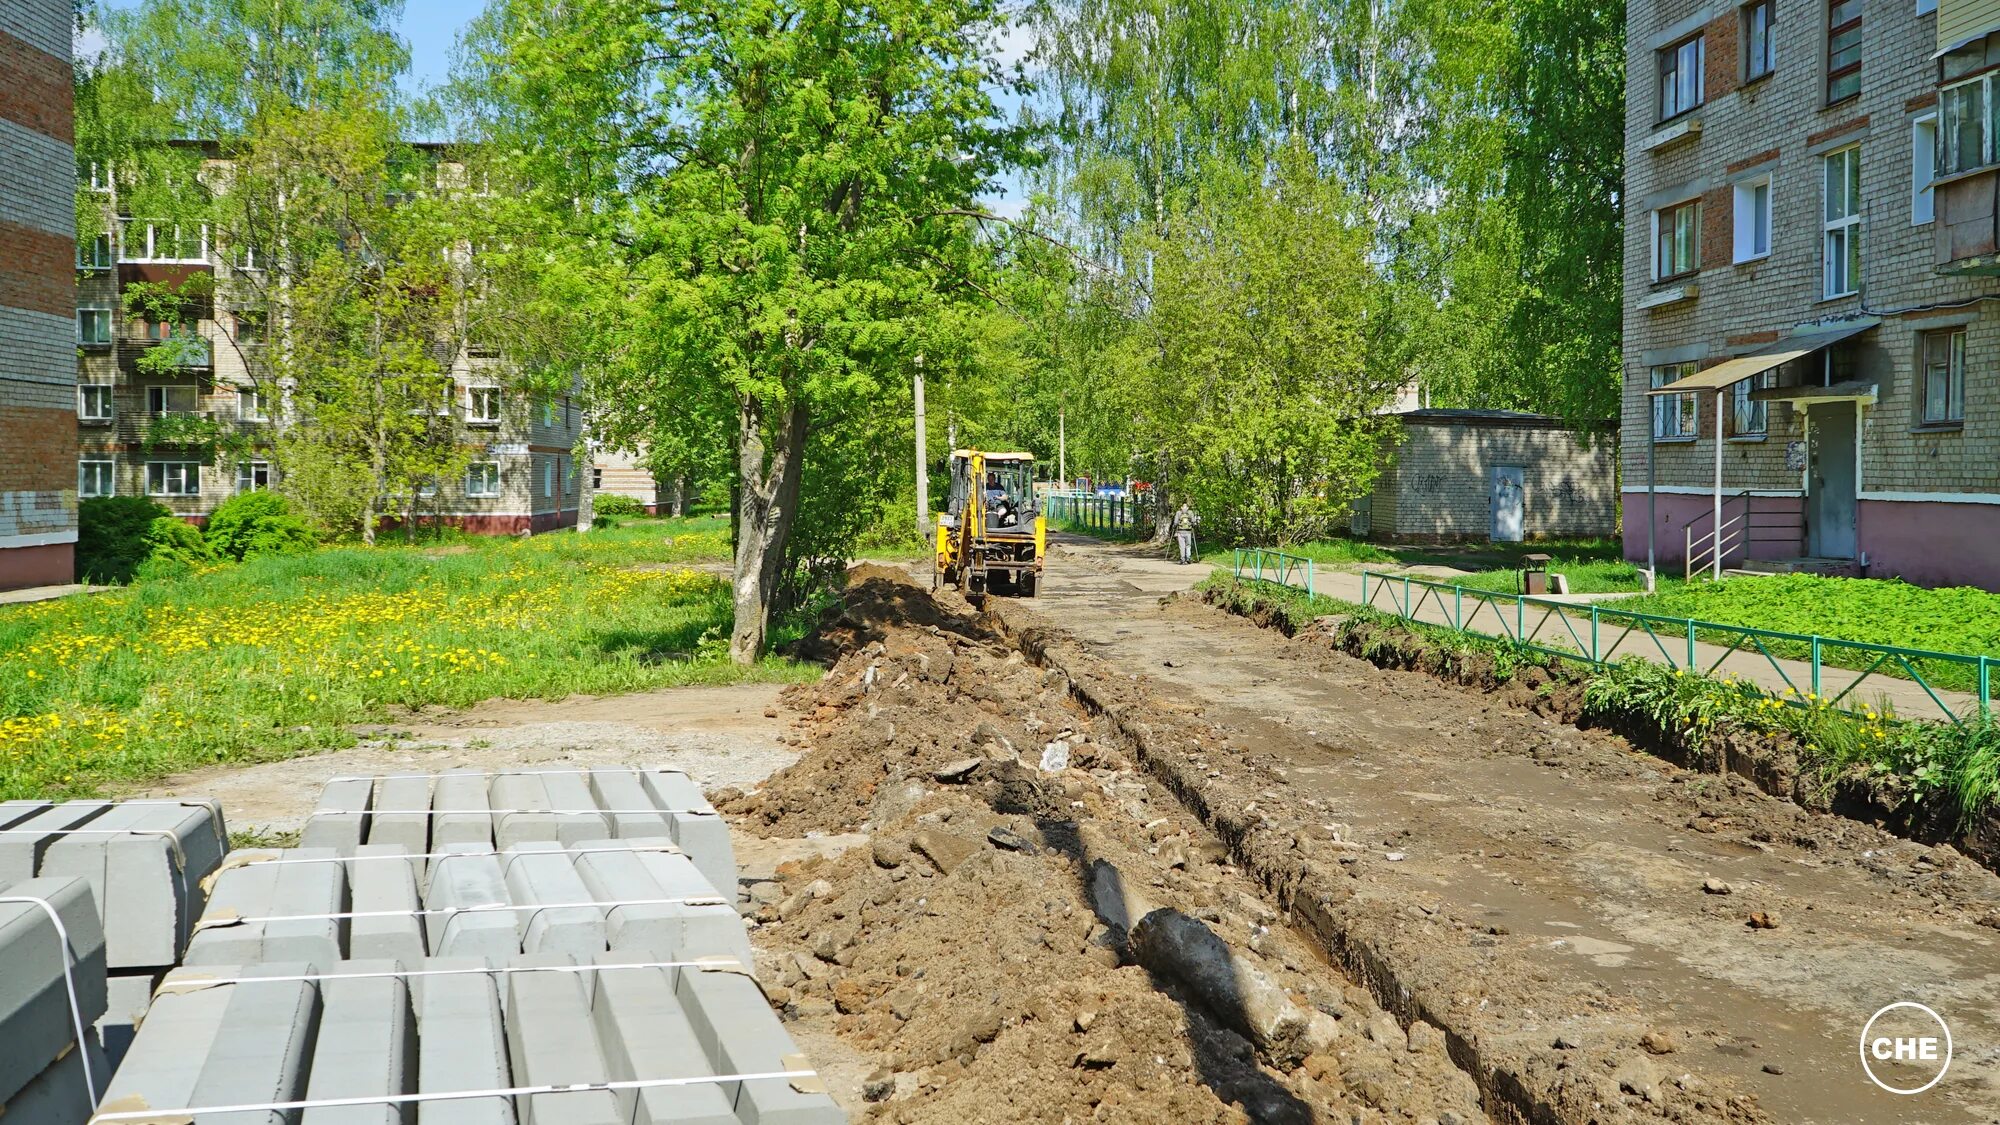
[1908,699]
[43,593]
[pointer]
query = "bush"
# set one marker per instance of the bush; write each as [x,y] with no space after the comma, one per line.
[251,524]
[112,537]
[174,540]
[615,504]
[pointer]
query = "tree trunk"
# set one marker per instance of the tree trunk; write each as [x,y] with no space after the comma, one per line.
[768,502]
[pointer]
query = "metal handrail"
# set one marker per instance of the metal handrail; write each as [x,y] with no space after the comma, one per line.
[1731,531]
[1598,636]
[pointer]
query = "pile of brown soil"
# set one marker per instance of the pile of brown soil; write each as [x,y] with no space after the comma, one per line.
[963,951]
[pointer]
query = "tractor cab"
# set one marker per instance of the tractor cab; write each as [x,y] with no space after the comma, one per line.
[991,535]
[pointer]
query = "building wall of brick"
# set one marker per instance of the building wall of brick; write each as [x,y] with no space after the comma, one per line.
[624,474]
[1781,125]
[1436,484]
[37,247]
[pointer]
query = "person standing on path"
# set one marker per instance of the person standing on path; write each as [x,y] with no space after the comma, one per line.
[1184,521]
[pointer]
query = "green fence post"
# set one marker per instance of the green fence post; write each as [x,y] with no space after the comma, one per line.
[1406,599]
[1690,659]
[1458,607]
[1364,587]
[1593,636]
[1815,665]
[1520,619]
[1985,687]
[1309,578]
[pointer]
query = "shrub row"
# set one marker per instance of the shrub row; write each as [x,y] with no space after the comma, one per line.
[120,538]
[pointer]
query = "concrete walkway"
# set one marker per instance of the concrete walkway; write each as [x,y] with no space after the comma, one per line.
[1545,625]
[43,593]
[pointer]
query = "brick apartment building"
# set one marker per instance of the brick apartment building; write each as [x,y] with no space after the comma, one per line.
[523,475]
[1810,265]
[37,233]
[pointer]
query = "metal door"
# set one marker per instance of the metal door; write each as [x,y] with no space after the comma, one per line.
[1830,482]
[1509,495]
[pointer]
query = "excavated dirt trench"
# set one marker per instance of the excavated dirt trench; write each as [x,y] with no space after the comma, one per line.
[958,965]
[1569,930]
[1599,934]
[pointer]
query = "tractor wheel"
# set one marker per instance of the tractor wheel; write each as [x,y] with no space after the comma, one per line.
[1027,584]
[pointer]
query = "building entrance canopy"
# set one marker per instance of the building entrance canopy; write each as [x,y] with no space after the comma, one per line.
[1730,372]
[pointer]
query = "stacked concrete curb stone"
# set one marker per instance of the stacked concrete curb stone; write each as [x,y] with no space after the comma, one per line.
[142,863]
[467,933]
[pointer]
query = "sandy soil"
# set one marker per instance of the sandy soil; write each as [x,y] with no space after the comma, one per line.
[1587,860]
[719,735]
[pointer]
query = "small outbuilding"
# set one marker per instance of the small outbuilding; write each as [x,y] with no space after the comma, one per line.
[1493,475]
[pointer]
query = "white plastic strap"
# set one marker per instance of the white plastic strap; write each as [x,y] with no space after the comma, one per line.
[178,1115]
[228,919]
[194,982]
[506,773]
[513,812]
[252,856]
[69,984]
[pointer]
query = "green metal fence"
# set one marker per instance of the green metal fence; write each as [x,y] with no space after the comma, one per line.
[1273,566]
[1599,635]
[1090,512]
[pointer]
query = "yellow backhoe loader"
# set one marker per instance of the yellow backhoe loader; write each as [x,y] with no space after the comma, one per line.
[991,536]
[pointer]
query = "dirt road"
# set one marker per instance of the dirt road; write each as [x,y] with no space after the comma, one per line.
[1619,895]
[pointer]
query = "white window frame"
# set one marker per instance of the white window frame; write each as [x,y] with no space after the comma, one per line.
[490,396]
[150,248]
[1676,417]
[83,338]
[482,480]
[173,478]
[549,412]
[1660,273]
[548,478]
[1923,169]
[1952,412]
[108,394]
[247,472]
[1840,240]
[1744,214]
[96,466]
[159,399]
[257,410]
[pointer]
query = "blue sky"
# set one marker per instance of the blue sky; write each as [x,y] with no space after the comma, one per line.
[432,28]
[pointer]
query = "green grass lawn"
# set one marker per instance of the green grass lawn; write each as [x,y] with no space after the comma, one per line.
[1593,566]
[279,656]
[1871,610]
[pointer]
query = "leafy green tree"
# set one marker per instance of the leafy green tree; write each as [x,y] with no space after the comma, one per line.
[1260,396]
[776,191]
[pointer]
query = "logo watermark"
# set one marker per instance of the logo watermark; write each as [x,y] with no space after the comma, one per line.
[1899,1040]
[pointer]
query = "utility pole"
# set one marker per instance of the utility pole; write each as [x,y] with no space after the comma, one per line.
[1062,447]
[923,461]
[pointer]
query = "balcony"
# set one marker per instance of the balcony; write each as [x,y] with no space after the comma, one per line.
[1968,224]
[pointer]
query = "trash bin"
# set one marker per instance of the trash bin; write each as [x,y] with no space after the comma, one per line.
[1534,574]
